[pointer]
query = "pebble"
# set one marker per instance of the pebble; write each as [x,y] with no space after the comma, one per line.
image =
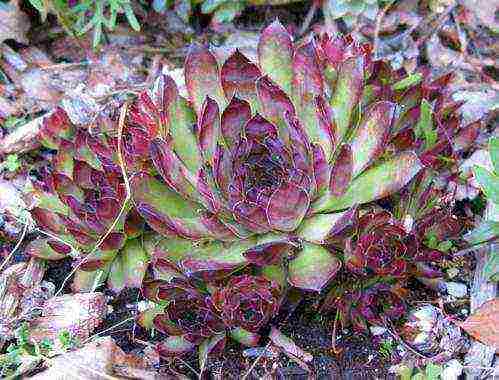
[457,289]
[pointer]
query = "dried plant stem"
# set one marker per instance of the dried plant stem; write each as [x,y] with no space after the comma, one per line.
[256,361]
[108,329]
[18,244]
[308,18]
[128,196]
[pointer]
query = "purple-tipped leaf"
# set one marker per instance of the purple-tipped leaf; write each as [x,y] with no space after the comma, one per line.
[369,139]
[347,92]
[375,183]
[234,118]
[208,130]
[275,55]
[341,172]
[239,77]
[287,207]
[202,78]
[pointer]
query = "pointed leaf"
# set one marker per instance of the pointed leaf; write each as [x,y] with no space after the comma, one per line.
[494,153]
[288,346]
[341,172]
[489,183]
[208,131]
[129,268]
[274,104]
[287,206]
[173,346]
[347,93]
[375,183]
[216,255]
[234,118]
[275,55]
[245,337]
[202,78]
[370,137]
[181,119]
[312,268]
[43,249]
[239,77]
[317,228]
[164,210]
[211,345]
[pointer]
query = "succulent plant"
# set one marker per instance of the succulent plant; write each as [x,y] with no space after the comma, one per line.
[261,160]
[191,315]
[78,201]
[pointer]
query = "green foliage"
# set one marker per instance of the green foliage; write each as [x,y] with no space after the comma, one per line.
[488,229]
[25,351]
[425,128]
[88,15]
[350,10]
[11,163]
[430,372]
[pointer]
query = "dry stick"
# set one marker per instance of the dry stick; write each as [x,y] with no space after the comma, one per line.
[121,124]
[379,18]
[108,329]
[256,361]
[187,365]
[308,18]
[18,244]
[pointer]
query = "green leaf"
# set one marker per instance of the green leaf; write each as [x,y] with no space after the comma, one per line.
[486,231]
[316,228]
[494,153]
[347,93]
[489,183]
[130,16]
[129,267]
[245,337]
[206,347]
[408,81]
[424,128]
[227,12]
[491,269]
[11,163]
[275,55]
[433,371]
[375,183]
[209,6]
[312,268]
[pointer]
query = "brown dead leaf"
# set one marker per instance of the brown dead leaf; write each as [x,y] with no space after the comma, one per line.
[287,345]
[483,324]
[14,24]
[77,313]
[99,359]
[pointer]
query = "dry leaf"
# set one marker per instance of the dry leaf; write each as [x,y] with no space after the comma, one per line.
[483,324]
[14,24]
[288,346]
[99,359]
[79,314]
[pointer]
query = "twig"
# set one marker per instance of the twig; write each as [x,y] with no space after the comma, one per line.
[335,326]
[128,196]
[108,329]
[308,18]
[23,138]
[18,244]
[188,366]
[379,18]
[256,361]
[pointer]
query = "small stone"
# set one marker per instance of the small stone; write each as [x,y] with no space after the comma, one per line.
[452,272]
[377,330]
[457,289]
[452,370]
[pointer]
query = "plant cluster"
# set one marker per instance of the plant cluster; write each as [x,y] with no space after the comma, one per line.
[264,179]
